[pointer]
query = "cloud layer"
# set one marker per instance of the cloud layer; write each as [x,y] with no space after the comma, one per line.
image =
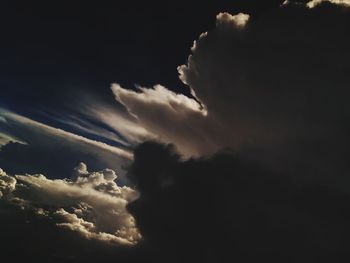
[41,148]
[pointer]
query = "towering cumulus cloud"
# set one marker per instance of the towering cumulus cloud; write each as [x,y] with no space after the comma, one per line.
[272,87]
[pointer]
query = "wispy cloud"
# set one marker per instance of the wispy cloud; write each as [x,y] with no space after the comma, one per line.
[14,119]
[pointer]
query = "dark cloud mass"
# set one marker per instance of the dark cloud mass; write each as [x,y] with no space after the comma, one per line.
[225,208]
[222,208]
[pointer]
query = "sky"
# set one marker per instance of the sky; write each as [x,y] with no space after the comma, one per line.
[174,131]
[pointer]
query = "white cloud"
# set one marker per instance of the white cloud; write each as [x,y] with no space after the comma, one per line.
[67,148]
[91,129]
[42,128]
[170,117]
[92,204]
[7,183]
[314,3]
[227,21]
[157,95]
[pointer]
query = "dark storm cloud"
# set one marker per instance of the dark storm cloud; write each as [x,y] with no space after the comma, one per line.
[225,208]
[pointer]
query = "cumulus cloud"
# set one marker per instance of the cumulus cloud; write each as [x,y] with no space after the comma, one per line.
[314,3]
[92,204]
[226,20]
[271,87]
[7,183]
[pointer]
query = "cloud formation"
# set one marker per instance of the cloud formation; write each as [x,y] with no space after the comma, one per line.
[92,204]
[18,119]
[53,151]
[271,87]
[226,20]
[314,3]
[7,183]
[225,208]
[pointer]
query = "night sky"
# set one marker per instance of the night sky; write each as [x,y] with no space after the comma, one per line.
[185,131]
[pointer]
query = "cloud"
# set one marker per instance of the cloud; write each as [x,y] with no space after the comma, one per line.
[314,3]
[225,208]
[7,183]
[272,87]
[123,124]
[168,116]
[92,205]
[226,20]
[6,138]
[54,151]
[61,133]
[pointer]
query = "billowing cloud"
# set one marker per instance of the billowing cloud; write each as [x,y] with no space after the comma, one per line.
[168,116]
[226,20]
[315,3]
[92,204]
[271,87]
[7,183]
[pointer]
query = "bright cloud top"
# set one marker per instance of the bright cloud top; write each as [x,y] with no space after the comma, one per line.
[226,20]
[315,3]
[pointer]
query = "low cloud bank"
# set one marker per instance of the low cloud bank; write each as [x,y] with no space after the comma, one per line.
[92,204]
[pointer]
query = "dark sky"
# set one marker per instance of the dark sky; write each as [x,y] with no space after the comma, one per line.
[50,50]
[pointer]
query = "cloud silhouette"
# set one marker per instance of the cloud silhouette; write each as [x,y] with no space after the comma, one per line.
[225,208]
